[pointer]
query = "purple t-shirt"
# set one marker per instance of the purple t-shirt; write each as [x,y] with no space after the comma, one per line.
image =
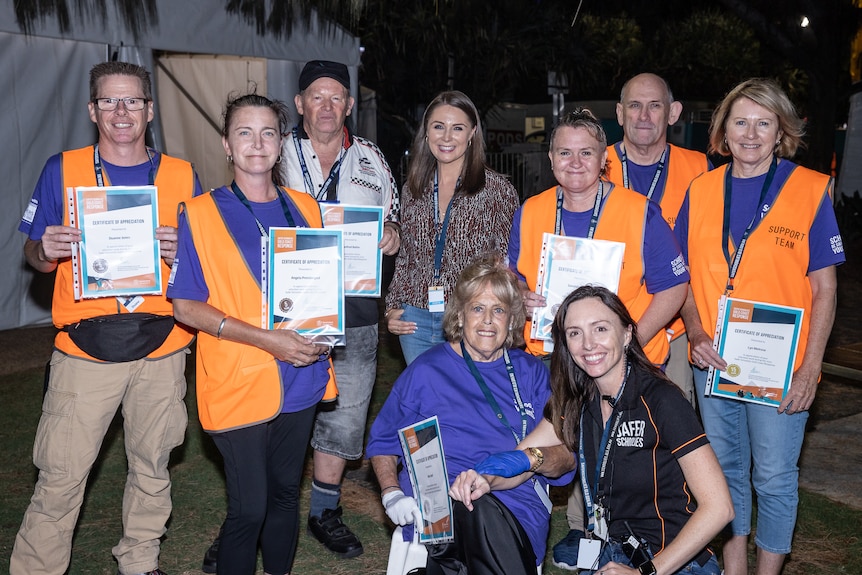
[188,282]
[469,428]
[822,237]
[48,204]
[659,246]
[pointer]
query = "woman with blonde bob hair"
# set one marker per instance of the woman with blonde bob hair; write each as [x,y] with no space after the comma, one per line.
[487,396]
[761,228]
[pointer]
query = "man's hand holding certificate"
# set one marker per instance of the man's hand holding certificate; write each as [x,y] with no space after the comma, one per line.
[119,254]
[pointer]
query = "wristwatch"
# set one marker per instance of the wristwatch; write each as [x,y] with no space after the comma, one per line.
[647,568]
[540,457]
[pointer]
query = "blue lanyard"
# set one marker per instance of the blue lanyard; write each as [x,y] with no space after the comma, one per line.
[733,265]
[605,446]
[659,169]
[284,207]
[440,238]
[471,365]
[594,218]
[330,186]
[100,172]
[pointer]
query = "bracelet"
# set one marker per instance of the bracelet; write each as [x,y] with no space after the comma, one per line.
[386,313]
[221,327]
[390,487]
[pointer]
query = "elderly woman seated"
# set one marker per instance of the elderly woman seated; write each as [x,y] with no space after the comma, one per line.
[487,397]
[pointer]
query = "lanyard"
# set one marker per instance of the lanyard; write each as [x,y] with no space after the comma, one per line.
[330,186]
[594,218]
[100,172]
[471,365]
[284,207]
[440,237]
[733,265]
[605,446]
[659,169]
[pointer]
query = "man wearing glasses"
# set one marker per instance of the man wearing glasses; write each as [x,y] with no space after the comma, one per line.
[83,391]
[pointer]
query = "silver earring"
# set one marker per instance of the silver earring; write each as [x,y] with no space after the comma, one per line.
[229,159]
[278,159]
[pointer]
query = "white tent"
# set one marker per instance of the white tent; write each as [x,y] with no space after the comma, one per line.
[195,49]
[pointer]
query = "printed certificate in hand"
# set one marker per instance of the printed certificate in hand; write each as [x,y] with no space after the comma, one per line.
[305,281]
[118,254]
[362,228]
[426,464]
[758,341]
[568,263]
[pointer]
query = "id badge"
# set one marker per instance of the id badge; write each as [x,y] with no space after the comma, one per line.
[131,303]
[436,299]
[588,553]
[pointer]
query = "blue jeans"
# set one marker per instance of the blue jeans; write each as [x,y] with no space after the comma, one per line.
[429,332]
[757,445]
[614,552]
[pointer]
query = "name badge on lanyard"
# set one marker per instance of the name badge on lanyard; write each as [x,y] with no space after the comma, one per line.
[436,299]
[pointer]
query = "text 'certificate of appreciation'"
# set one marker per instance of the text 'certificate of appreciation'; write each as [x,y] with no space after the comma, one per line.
[426,464]
[568,263]
[758,341]
[305,281]
[362,228]
[118,252]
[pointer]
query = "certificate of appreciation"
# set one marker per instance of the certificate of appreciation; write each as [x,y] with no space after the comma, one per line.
[118,254]
[758,341]
[362,228]
[305,283]
[568,263]
[426,464]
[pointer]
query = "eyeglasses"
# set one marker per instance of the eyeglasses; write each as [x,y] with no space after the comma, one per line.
[130,104]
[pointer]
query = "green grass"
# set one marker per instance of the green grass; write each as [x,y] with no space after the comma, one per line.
[827,537]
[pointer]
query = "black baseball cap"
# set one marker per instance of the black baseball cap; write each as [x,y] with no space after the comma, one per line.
[323,69]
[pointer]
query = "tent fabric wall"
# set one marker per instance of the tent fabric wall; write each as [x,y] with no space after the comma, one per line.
[45,93]
[207,80]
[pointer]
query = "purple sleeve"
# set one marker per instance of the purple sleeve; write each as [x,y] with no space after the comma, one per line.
[825,245]
[198,190]
[515,243]
[680,230]
[187,277]
[46,205]
[663,261]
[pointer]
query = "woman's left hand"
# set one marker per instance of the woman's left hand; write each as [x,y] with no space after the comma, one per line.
[802,390]
[468,487]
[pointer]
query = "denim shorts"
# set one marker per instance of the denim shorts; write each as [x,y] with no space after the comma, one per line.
[614,552]
[429,332]
[758,446]
[341,431]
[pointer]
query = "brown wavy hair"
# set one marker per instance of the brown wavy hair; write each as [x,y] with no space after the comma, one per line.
[423,164]
[571,386]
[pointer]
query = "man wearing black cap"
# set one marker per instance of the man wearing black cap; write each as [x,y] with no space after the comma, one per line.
[322,157]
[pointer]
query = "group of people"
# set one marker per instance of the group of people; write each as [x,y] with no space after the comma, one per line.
[516,414]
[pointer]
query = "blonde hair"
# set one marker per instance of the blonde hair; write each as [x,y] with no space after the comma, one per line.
[767,93]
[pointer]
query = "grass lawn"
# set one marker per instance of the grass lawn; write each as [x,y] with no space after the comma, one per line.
[827,536]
